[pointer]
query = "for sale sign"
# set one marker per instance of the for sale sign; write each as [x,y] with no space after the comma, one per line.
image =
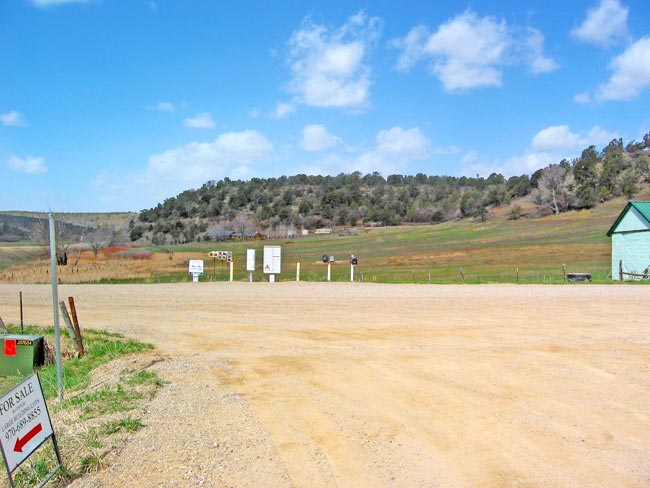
[24,421]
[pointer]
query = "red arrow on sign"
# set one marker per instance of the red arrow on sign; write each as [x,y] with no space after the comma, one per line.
[20,443]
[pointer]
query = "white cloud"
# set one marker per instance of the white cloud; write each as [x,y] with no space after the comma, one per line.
[412,47]
[482,168]
[604,24]
[446,150]
[532,52]
[49,3]
[197,162]
[553,144]
[555,138]
[409,145]
[315,137]
[32,165]
[559,138]
[473,164]
[232,154]
[471,157]
[13,118]
[582,98]
[631,73]
[469,51]
[200,121]
[163,107]
[597,136]
[394,150]
[328,67]
[529,162]
[282,110]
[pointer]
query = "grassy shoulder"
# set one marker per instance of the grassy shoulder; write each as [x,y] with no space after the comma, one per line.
[105,395]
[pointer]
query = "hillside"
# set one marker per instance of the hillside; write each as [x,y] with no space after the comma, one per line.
[280,206]
[499,250]
[31,226]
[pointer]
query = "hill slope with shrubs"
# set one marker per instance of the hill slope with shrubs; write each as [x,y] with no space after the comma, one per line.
[275,206]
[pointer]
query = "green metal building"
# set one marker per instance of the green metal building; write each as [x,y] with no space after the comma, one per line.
[631,242]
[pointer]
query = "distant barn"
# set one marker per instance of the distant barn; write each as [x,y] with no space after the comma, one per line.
[631,242]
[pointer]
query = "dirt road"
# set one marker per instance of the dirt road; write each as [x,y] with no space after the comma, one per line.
[355,385]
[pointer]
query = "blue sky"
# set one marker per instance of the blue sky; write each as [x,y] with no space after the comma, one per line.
[113,105]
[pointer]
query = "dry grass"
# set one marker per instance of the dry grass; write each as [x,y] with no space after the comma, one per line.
[84,268]
[13,255]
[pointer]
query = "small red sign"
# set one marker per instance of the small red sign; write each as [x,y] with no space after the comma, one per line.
[10,347]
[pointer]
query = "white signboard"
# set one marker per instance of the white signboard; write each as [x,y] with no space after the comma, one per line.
[24,421]
[272,259]
[250,259]
[196,266]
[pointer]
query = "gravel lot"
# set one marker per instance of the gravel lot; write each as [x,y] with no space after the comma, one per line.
[349,384]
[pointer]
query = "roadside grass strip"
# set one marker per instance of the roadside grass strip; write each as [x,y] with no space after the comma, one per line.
[105,397]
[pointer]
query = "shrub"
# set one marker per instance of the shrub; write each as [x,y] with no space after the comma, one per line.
[515,212]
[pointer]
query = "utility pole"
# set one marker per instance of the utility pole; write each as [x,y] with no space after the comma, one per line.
[55,302]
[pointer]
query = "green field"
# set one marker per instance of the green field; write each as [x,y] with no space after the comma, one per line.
[528,250]
[496,251]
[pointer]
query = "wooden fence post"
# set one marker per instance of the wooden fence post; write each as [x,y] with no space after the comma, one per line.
[462,275]
[564,271]
[22,328]
[77,330]
[620,270]
[66,319]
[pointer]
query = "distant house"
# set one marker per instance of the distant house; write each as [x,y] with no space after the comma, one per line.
[631,242]
[221,235]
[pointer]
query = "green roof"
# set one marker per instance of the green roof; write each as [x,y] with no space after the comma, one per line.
[643,207]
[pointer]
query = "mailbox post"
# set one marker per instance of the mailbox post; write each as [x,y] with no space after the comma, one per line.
[329,260]
[353,263]
[326,260]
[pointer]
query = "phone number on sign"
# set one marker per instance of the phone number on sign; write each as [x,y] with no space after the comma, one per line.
[22,423]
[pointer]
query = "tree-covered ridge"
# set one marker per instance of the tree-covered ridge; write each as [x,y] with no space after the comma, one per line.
[311,201]
[594,176]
